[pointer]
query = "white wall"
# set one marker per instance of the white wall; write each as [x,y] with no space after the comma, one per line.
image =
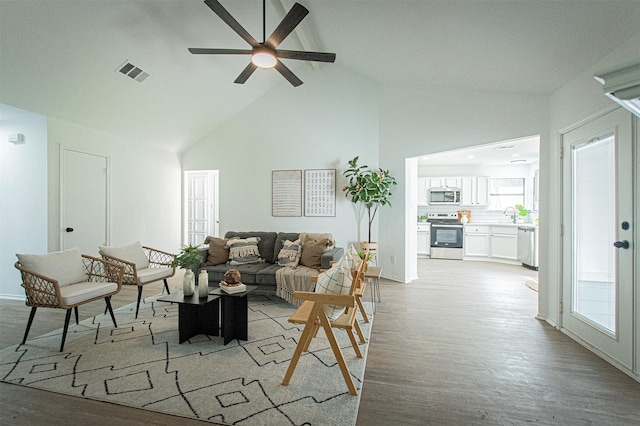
[145,190]
[23,193]
[423,120]
[322,124]
[145,186]
[580,98]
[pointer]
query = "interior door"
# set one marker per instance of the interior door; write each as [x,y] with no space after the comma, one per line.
[201,212]
[84,201]
[597,299]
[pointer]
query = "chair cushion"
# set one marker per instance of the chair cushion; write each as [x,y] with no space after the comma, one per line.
[131,253]
[147,275]
[218,254]
[65,266]
[243,251]
[77,293]
[312,251]
[290,253]
[337,280]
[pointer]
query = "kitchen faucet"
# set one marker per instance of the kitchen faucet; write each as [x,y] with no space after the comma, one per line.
[514,217]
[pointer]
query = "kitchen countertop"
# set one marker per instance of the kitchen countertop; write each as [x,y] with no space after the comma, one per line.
[509,224]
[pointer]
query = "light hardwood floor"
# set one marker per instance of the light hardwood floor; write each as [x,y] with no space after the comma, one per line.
[460,346]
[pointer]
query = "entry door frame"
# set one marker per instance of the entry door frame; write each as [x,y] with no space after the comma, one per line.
[635,123]
[61,225]
[566,281]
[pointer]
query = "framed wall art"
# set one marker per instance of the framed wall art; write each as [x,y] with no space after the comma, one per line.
[286,193]
[320,192]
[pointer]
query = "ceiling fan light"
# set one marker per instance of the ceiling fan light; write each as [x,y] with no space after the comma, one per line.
[263,59]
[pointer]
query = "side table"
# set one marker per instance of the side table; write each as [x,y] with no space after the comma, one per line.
[195,315]
[235,318]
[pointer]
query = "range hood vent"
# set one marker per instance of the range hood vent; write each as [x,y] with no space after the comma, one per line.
[622,84]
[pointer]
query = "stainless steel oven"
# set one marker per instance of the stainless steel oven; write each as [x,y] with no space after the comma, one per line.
[446,236]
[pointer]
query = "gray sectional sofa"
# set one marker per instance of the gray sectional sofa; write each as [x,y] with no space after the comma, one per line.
[264,274]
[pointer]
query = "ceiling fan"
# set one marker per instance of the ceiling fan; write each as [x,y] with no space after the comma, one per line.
[265,54]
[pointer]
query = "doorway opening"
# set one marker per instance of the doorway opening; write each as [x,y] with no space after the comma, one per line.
[201,215]
[475,173]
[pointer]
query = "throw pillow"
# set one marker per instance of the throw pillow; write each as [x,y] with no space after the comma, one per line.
[65,266]
[131,253]
[352,258]
[218,253]
[243,251]
[336,280]
[312,251]
[290,253]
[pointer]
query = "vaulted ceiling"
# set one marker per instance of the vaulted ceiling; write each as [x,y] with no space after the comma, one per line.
[60,57]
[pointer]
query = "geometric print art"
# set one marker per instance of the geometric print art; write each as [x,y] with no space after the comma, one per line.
[141,364]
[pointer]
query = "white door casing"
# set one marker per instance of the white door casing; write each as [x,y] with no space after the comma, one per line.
[597,284]
[84,200]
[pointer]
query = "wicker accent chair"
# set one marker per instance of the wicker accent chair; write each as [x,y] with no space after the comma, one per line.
[142,265]
[66,280]
[313,315]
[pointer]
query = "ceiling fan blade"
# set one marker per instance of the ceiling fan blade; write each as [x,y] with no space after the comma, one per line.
[306,56]
[290,21]
[286,73]
[230,20]
[246,73]
[207,51]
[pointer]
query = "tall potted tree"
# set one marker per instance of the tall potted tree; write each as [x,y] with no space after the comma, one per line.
[371,188]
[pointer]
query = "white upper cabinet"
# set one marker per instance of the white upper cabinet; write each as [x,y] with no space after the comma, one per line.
[474,191]
[423,191]
[444,182]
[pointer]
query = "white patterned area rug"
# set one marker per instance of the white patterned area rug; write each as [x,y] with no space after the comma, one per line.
[141,364]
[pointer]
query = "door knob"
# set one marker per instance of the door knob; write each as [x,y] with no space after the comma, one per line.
[69,229]
[622,244]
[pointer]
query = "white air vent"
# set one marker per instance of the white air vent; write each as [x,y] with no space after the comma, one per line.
[622,84]
[133,72]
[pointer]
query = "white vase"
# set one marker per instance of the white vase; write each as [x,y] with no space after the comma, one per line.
[187,282]
[203,284]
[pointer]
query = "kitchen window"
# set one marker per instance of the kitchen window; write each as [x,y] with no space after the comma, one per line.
[505,192]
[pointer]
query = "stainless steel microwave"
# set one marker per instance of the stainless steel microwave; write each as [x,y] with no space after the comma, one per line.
[444,196]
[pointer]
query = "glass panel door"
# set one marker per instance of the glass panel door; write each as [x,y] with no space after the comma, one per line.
[597,236]
[593,222]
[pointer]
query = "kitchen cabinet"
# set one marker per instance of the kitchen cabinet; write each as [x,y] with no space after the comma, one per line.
[504,242]
[424,239]
[476,240]
[474,191]
[482,191]
[423,191]
[444,182]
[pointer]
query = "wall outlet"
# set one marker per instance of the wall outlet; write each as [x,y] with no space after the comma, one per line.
[393,259]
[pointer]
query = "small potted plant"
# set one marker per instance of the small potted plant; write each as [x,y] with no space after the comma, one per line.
[188,259]
[522,212]
[369,256]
